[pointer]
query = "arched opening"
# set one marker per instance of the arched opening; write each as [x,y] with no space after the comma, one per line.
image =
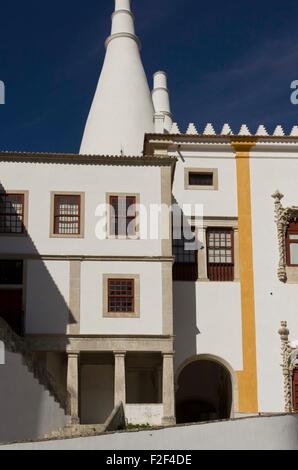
[204,391]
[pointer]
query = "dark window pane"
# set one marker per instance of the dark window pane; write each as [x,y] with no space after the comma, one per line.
[200,179]
[11,272]
[220,254]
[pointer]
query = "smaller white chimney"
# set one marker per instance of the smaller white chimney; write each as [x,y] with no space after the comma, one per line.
[163,119]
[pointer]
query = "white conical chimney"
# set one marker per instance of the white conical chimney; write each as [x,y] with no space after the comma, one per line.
[161,102]
[122,109]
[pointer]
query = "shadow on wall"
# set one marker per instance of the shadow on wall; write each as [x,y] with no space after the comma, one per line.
[185,276]
[30,302]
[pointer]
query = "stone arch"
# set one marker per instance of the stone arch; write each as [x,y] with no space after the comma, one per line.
[217,374]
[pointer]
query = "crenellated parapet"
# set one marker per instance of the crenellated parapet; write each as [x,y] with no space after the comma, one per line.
[209,130]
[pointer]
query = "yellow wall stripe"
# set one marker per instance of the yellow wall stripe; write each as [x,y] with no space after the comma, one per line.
[247,378]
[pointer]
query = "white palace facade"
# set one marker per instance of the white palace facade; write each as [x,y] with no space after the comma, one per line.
[115,308]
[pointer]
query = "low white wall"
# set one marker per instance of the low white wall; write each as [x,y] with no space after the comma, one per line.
[144,414]
[27,411]
[261,433]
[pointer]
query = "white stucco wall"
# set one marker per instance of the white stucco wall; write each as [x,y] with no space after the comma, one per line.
[261,433]
[207,320]
[144,414]
[150,320]
[27,410]
[220,203]
[274,301]
[47,296]
[95,181]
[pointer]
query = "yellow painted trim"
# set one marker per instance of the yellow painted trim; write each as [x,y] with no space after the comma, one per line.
[247,378]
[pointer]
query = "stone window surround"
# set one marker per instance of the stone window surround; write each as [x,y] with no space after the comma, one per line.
[283,216]
[136,313]
[216,222]
[213,171]
[82,213]
[26,210]
[123,237]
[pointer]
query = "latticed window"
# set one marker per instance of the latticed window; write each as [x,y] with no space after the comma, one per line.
[186,255]
[123,216]
[67,214]
[121,296]
[12,213]
[220,247]
[292,244]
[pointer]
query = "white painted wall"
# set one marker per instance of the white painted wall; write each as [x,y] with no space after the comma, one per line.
[95,181]
[150,321]
[144,414]
[47,296]
[274,301]
[207,320]
[30,412]
[261,433]
[97,393]
[221,203]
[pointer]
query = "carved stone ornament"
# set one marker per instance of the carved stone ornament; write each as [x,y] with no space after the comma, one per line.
[283,217]
[289,363]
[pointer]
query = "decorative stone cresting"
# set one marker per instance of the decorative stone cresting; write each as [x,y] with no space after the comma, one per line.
[16,344]
[289,363]
[283,216]
[261,131]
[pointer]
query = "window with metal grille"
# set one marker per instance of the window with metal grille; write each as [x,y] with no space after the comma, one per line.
[292,244]
[12,213]
[67,214]
[186,255]
[200,178]
[123,216]
[220,254]
[121,296]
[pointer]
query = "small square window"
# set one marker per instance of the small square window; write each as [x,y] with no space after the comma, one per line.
[200,179]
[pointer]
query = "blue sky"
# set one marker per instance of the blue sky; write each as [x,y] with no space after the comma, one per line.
[227,61]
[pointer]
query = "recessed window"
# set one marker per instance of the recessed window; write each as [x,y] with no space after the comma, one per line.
[11,294]
[67,215]
[185,252]
[200,179]
[121,296]
[123,216]
[292,244]
[220,256]
[12,213]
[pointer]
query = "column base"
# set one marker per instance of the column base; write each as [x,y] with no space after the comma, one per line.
[74,420]
[168,421]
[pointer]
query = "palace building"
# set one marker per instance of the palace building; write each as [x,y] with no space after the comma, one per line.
[178,328]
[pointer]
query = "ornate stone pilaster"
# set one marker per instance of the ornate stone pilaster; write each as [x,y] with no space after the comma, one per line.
[283,216]
[281,231]
[286,354]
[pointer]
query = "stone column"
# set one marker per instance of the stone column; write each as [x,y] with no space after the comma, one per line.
[73,386]
[120,386]
[286,353]
[168,389]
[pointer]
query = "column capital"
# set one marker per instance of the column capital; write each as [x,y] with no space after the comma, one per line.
[168,354]
[119,353]
[73,353]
